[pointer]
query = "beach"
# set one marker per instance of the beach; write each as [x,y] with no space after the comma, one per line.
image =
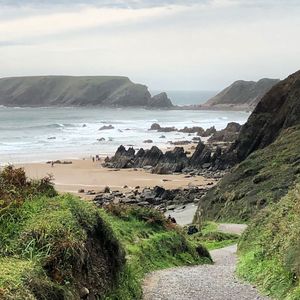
[89,175]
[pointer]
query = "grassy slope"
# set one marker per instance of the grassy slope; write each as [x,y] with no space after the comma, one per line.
[263,178]
[43,249]
[52,246]
[51,232]
[270,248]
[263,191]
[211,238]
[149,246]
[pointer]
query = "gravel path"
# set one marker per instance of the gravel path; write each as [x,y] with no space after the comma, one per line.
[204,282]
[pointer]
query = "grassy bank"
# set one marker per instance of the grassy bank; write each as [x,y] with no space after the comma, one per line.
[60,247]
[210,237]
[270,249]
[151,243]
[52,248]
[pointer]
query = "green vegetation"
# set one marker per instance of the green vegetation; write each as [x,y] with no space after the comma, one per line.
[151,243]
[56,247]
[261,179]
[210,237]
[270,248]
[263,190]
[52,247]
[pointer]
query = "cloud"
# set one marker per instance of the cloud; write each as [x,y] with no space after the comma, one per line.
[84,18]
[165,44]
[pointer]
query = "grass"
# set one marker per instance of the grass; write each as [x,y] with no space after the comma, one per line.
[150,245]
[46,241]
[211,238]
[269,250]
[51,246]
[261,179]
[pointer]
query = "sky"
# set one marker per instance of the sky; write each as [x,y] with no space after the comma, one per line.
[167,45]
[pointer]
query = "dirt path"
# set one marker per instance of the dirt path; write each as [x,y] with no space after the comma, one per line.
[205,282]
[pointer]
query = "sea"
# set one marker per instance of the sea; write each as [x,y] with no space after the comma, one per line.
[41,134]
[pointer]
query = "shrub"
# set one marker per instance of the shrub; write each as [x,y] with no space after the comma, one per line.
[15,187]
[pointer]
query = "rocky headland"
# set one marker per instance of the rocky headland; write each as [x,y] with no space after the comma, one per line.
[240,95]
[107,91]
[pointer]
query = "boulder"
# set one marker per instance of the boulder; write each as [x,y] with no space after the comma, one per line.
[202,155]
[106,127]
[148,141]
[228,134]
[155,126]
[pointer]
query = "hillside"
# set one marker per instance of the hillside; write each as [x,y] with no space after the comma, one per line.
[261,179]
[46,91]
[241,95]
[272,135]
[61,247]
[270,249]
[263,190]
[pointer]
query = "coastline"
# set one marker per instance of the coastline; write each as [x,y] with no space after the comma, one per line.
[88,175]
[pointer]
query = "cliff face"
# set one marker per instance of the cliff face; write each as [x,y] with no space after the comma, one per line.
[277,110]
[75,91]
[244,94]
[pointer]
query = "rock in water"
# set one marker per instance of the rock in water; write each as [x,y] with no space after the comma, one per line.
[228,134]
[161,100]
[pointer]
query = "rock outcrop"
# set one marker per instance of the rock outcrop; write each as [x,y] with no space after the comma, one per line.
[277,110]
[241,94]
[195,129]
[111,91]
[175,160]
[153,158]
[160,100]
[228,134]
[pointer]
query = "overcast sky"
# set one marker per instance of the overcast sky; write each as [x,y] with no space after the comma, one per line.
[167,45]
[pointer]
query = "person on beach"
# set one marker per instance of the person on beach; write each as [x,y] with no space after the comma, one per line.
[93,158]
[52,163]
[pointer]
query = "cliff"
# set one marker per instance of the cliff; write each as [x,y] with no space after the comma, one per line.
[277,110]
[267,150]
[241,94]
[108,91]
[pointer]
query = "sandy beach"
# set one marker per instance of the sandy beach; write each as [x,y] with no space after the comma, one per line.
[88,175]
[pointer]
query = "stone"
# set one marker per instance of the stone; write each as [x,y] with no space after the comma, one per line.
[155,126]
[192,229]
[161,100]
[106,190]
[106,127]
[84,292]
